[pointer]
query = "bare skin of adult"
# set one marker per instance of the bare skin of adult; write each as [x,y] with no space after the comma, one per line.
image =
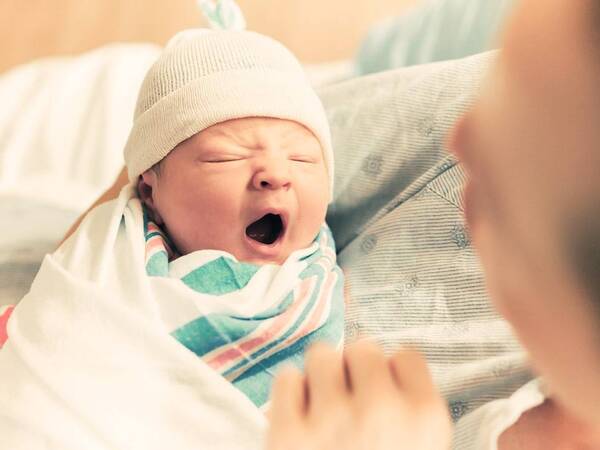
[530,147]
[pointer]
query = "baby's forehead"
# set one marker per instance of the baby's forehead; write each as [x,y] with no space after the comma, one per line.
[250,124]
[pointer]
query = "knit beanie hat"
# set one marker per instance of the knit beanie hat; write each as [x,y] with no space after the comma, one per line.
[204,77]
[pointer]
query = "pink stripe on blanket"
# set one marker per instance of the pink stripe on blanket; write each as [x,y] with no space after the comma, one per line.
[317,316]
[4,324]
[155,242]
[152,228]
[248,346]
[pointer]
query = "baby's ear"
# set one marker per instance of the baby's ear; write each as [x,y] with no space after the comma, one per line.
[146,188]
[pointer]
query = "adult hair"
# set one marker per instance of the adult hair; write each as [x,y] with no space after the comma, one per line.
[583,235]
[585,253]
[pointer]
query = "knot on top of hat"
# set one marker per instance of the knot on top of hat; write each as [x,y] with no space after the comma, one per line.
[223,14]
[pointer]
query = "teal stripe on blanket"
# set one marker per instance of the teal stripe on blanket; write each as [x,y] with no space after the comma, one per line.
[206,333]
[155,266]
[220,276]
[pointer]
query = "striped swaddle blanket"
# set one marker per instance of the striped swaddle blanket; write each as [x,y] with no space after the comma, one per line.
[262,316]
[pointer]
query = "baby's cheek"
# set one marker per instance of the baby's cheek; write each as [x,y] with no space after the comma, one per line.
[317,207]
[313,220]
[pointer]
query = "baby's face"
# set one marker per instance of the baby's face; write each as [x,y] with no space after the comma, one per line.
[254,187]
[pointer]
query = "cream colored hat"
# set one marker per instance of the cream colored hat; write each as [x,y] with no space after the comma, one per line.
[205,77]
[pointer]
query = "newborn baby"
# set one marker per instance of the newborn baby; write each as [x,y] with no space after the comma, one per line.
[231,156]
[220,238]
[161,322]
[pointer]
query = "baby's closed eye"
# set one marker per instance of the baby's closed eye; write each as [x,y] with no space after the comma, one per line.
[304,158]
[220,157]
[224,160]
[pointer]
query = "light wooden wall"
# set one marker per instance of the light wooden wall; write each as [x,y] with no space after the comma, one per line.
[319,30]
[316,30]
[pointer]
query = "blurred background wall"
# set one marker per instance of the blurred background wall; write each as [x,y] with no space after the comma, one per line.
[316,30]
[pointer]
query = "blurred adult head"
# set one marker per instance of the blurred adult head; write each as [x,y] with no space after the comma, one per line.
[531,146]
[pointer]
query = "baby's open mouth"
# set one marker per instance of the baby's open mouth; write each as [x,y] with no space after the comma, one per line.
[266,230]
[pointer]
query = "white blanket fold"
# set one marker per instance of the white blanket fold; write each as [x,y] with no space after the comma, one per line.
[90,366]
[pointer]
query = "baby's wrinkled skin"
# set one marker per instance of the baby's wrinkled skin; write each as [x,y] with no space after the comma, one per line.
[211,187]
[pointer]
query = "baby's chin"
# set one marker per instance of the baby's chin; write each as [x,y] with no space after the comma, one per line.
[278,259]
[263,261]
[245,256]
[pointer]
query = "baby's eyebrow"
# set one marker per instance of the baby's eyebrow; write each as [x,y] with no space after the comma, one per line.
[233,139]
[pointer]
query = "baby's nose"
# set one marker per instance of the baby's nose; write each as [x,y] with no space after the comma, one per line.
[272,176]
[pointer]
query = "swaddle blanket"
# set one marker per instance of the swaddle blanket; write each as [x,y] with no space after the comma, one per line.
[90,363]
[285,308]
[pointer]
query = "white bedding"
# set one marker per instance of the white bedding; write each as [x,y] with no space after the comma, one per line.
[30,229]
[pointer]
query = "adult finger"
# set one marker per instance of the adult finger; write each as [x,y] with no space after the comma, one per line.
[410,372]
[413,379]
[288,399]
[325,377]
[368,370]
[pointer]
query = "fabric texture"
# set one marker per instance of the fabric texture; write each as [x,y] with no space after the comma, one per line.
[205,77]
[281,309]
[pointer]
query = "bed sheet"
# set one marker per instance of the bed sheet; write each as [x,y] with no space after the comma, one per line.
[30,229]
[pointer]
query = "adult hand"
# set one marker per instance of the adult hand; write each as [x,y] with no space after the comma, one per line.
[360,401]
[549,427]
